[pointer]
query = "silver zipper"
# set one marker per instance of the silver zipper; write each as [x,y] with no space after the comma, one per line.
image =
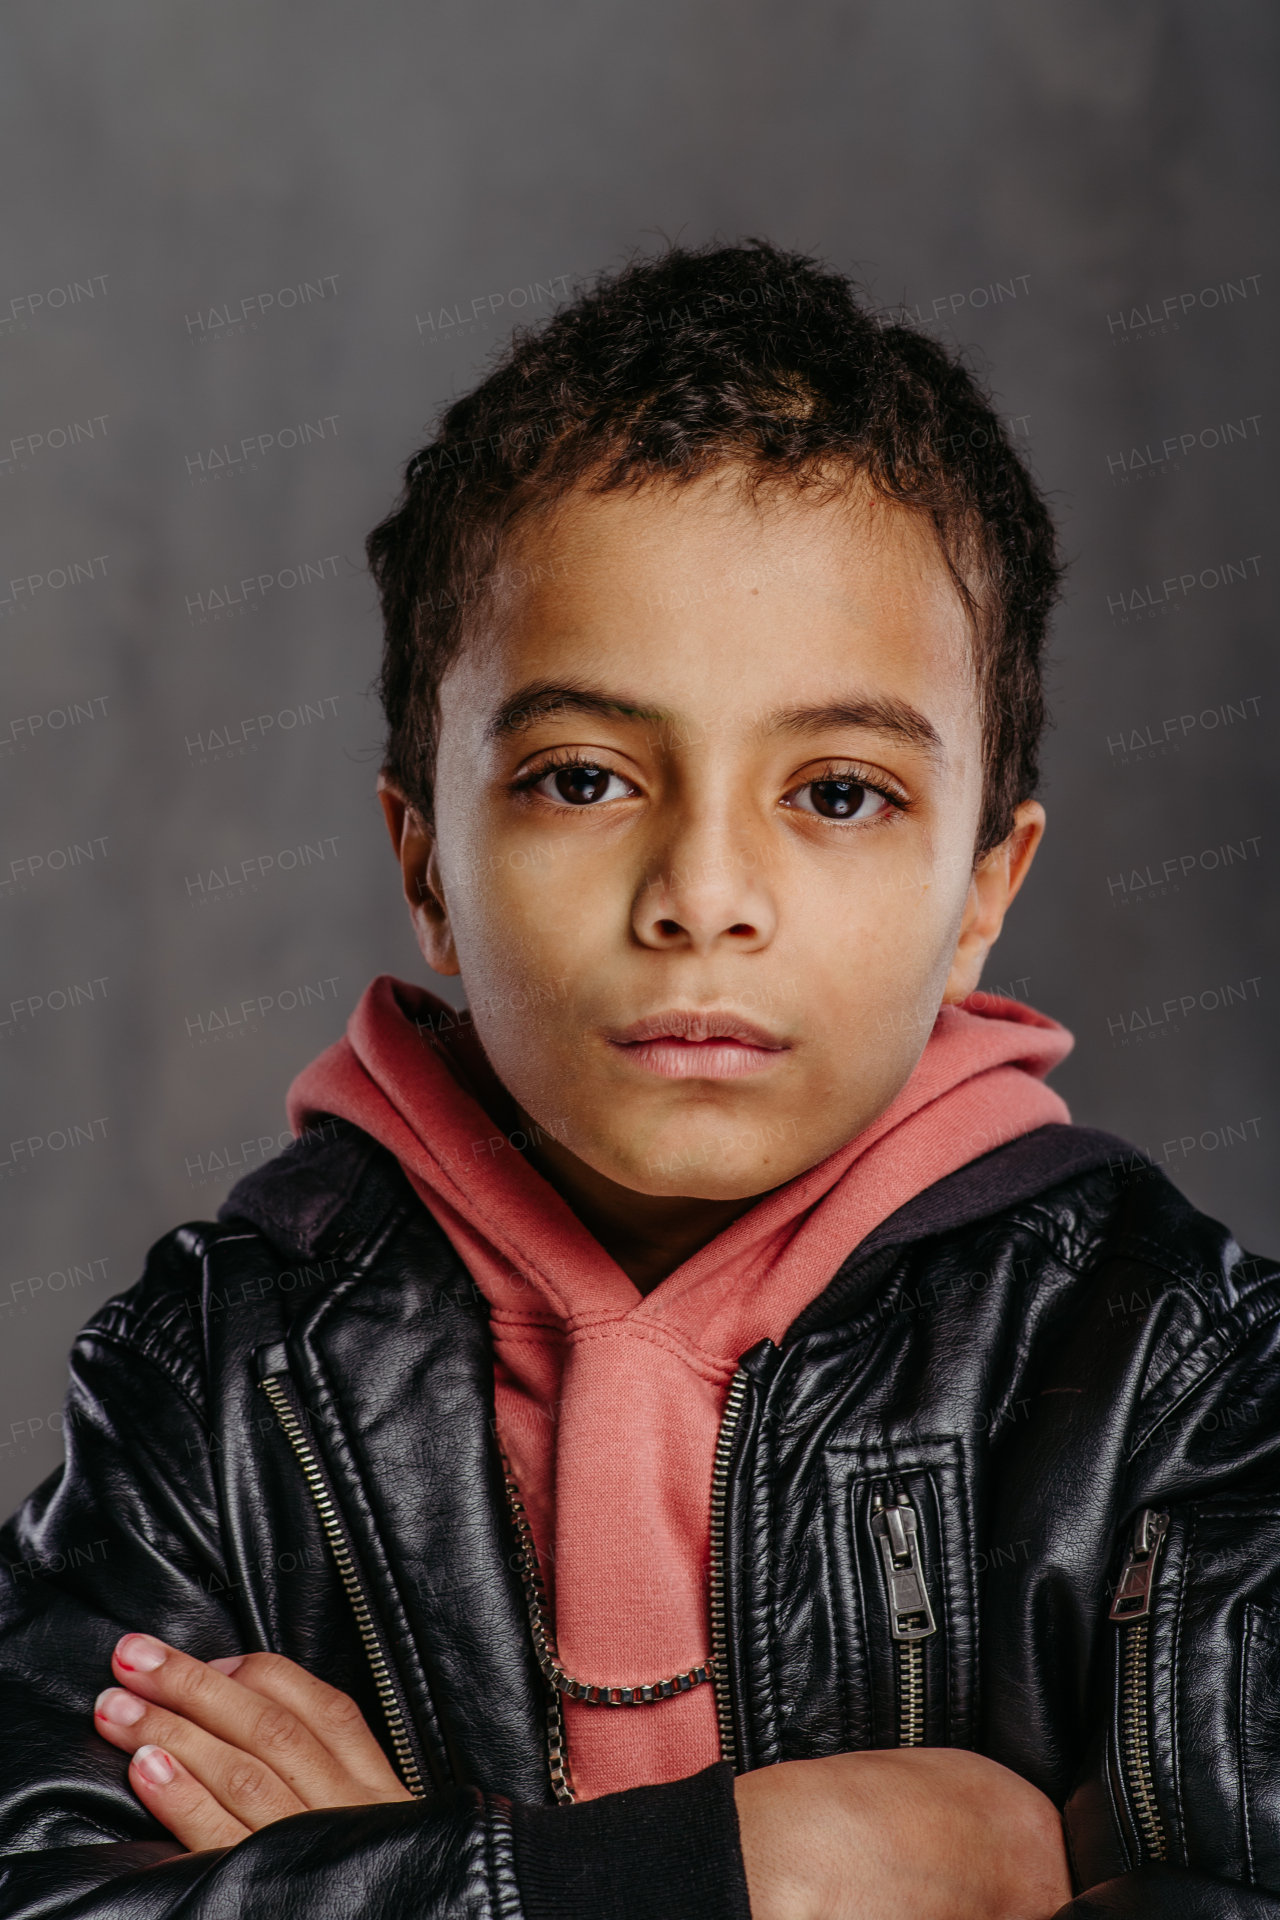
[896,1528]
[719,1623]
[1131,1608]
[379,1665]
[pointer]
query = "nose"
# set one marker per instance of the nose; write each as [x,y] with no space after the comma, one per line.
[708,889]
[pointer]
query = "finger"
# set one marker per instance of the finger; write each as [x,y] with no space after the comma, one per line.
[181,1803]
[333,1717]
[242,1784]
[234,1714]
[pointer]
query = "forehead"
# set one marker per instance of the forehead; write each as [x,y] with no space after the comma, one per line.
[707,601]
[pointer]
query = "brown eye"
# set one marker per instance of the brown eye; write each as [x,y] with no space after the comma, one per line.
[839,800]
[582,786]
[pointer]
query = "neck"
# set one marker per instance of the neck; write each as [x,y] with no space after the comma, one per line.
[648,1235]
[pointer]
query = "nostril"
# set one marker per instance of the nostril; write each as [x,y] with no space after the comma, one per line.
[669,928]
[742,927]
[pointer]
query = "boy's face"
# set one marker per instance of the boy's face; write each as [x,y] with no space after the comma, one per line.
[706,801]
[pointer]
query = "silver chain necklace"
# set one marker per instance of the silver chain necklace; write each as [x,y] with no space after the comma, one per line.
[558,1681]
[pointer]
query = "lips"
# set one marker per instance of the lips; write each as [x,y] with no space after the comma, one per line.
[690,1045]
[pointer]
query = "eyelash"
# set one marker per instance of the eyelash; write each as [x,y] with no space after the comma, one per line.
[835,770]
[857,776]
[560,763]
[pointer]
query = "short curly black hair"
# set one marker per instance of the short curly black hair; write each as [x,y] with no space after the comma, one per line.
[689,361]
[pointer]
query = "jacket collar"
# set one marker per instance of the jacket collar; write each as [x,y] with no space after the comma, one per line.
[335,1192]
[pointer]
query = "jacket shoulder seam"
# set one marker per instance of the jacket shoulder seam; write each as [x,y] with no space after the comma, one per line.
[1146,1252]
[149,1323]
[1227,1328]
[1204,1358]
[1156,1254]
[188,1382]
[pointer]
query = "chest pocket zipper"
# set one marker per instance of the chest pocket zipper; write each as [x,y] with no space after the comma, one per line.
[895,1526]
[1131,1610]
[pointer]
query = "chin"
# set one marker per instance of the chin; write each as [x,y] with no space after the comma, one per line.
[747,1186]
[702,1169]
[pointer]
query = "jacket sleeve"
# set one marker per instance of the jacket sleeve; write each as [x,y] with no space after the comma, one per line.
[128,1535]
[1185,1758]
[1171,1893]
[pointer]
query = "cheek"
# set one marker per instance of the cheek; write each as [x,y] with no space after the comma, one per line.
[870,980]
[523,915]
[885,929]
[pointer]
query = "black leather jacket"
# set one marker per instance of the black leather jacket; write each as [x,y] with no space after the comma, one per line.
[1041,1357]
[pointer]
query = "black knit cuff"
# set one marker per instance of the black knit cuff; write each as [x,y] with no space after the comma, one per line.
[652,1853]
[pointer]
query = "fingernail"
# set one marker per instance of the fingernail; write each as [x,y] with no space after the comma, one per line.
[229,1663]
[139,1653]
[120,1708]
[154,1764]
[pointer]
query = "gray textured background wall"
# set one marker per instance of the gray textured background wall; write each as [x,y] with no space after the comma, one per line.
[239,234]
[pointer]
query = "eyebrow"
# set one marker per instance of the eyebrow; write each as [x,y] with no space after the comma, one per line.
[896,717]
[880,715]
[541,698]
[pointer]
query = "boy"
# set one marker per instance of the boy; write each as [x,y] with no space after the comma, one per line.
[664,1445]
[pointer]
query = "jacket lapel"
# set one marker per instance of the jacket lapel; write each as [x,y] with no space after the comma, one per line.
[396,1369]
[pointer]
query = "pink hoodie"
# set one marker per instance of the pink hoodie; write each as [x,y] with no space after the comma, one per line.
[608,1403]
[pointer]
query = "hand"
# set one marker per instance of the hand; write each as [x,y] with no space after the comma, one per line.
[922,1833]
[223,1747]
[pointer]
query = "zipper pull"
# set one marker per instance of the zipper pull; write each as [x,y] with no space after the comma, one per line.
[1133,1595]
[897,1532]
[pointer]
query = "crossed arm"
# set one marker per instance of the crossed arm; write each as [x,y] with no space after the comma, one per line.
[222,1748]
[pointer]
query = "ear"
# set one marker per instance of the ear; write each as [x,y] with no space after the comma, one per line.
[996,880]
[415,846]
